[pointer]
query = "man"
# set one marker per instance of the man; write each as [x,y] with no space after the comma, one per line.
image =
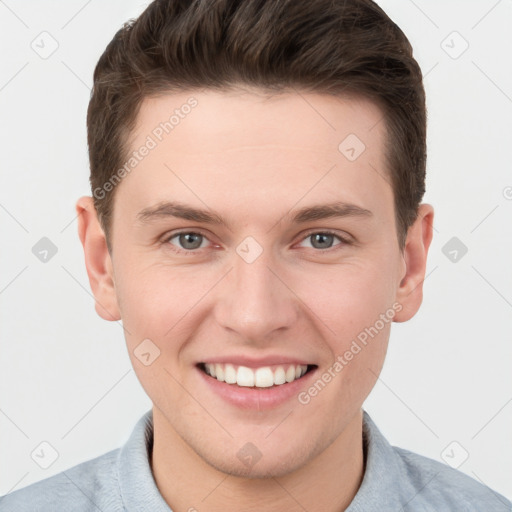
[257,170]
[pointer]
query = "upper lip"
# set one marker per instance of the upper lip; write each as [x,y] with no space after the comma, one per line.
[252,362]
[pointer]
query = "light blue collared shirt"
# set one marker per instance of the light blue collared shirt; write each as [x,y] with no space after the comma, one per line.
[395,480]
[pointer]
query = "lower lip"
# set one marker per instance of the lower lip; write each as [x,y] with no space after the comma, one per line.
[257,398]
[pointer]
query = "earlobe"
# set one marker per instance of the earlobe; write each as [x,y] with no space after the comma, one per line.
[419,237]
[97,260]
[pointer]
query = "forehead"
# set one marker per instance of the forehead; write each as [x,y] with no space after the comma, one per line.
[255,117]
[278,148]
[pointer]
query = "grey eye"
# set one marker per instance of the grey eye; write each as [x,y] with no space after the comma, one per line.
[321,240]
[189,241]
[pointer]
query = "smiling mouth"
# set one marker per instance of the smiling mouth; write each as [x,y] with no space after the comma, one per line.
[263,377]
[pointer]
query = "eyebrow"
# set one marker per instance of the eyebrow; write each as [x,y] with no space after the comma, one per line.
[166,209]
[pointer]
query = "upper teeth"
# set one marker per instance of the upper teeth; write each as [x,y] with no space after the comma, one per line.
[263,377]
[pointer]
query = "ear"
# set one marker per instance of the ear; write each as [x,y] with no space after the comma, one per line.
[419,236]
[97,260]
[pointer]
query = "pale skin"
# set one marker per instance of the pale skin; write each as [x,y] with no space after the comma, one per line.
[255,162]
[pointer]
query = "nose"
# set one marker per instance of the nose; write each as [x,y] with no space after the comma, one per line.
[256,301]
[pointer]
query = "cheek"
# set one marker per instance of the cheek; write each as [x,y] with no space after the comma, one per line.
[152,299]
[349,297]
[355,305]
[154,303]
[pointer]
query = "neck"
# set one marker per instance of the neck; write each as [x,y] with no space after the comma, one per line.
[187,483]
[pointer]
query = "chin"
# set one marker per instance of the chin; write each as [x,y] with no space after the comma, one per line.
[251,463]
[258,471]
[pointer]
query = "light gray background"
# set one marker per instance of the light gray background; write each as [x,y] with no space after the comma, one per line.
[65,375]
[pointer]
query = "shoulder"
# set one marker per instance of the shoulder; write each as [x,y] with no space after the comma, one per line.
[398,479]
[432,483]
[89,486]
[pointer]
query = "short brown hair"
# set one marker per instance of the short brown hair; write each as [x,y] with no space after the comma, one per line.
[337,47]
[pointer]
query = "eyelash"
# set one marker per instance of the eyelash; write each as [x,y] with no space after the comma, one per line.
[191,252]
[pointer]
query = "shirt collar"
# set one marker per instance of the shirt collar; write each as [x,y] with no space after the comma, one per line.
[137,486]
[140,493]
[382,474]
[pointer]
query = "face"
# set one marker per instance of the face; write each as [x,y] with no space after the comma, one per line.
[254,241]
